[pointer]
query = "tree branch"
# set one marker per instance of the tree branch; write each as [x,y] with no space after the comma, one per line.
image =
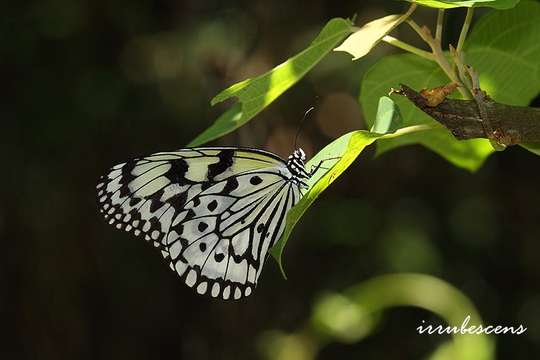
[510,125]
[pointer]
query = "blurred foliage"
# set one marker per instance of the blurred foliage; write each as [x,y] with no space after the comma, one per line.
[355,314]
[89,84]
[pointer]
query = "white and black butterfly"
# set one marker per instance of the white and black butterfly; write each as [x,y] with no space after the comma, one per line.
[213,212]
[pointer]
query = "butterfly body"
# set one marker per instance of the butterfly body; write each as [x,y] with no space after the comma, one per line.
[213,212]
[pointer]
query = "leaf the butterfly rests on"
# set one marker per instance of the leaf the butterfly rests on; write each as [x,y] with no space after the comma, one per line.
[212,212]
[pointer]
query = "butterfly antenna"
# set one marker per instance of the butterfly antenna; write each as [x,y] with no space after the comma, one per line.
[300,127]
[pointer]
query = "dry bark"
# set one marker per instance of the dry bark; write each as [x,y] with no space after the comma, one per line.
[481,118]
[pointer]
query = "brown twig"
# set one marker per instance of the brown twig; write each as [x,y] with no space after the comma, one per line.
[510,125]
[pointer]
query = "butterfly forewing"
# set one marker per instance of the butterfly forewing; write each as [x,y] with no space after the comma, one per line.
[213,212]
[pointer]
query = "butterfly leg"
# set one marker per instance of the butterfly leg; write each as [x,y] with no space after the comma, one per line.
[319,166]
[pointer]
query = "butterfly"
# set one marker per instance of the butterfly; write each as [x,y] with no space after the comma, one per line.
[213,212]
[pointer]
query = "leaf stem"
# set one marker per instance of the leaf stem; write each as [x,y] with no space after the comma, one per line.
[409,11]
[418,29]
[407,47]
[412,129]
[440,20]
[438,54]
[465,29]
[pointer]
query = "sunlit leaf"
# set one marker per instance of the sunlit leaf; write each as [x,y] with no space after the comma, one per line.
[364,39]
[336,157]
[503,49]
[449,4]
[508,61]
[388,118]
[346,148]
[255,94]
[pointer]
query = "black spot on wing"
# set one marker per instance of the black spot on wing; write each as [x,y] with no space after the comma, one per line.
[230,186]
[179,228]
[177,172]
[176,175]
[134,201]
[155,224]
[126,170]
[255,180]
[178,201]
[190,215]
[202,226]
[225,162]
[126,177]
[212,205]
[219,257]
[154,205]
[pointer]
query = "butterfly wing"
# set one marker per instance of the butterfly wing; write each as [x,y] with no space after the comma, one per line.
[213,212]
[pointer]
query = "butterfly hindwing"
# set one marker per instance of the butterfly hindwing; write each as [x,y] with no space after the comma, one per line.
[213,212]
[221,248]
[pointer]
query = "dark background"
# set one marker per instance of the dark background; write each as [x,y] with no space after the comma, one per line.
[88,84]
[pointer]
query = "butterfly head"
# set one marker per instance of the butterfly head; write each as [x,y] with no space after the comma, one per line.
[299,154]
[295,163]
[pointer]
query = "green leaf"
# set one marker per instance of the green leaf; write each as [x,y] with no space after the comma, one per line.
[417,73]
[335,158]
[508,60]
[346,148]
[449,4]
[257,93]
[504,48]
[364,39]
[534,148]
[388,118]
